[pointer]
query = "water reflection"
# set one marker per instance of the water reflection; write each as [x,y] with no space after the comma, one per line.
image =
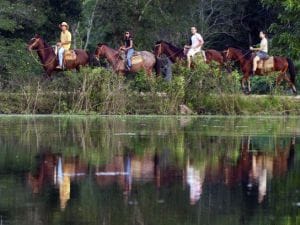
[254,169]
[114,171]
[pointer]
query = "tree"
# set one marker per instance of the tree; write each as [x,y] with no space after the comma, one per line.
[286,30]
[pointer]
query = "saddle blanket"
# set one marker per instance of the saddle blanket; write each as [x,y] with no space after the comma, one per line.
[266,65]
[70,55]
[136,59]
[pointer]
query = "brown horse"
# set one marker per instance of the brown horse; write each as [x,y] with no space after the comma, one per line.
[281,65]
[48,58]
[176,54]
[147,62]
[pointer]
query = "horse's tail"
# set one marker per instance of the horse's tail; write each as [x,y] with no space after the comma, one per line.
[91,58]
[157,66]
[292,70]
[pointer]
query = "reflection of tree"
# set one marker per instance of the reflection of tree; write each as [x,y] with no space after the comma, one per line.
[159,157]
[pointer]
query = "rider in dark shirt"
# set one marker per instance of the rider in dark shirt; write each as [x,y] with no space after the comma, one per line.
[128,48]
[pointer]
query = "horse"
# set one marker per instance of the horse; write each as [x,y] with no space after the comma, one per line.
[176,54]
[146,60]
[49,60]
[281,65]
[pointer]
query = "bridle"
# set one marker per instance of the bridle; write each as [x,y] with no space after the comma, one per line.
[114,64]
[36,40]
[160,51]
[100,49]
[237,60]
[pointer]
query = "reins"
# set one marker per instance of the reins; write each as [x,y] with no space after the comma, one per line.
[42,64]
[171,55]
[36,60]
[242,56]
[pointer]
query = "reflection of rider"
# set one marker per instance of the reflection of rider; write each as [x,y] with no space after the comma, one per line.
[128,48]
[262,51]
[195,47]
[64,44]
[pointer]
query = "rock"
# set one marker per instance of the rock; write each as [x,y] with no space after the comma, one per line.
[184,110]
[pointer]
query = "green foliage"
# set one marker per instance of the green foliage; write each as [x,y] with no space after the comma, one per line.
[286,31]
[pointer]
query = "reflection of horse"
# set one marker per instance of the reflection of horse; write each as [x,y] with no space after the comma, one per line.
[253,168]
[53,169]
[143,60]
[281,65]
[48,58]
[176,54]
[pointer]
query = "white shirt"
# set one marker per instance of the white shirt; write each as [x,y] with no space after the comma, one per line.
[264,45]
[197,40]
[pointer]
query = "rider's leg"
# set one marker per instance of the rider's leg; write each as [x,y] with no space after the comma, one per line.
[61,56]
[255,61]
[129,56]
[204,55]
[189,55]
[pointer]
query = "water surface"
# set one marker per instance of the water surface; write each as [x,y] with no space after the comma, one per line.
[149,170]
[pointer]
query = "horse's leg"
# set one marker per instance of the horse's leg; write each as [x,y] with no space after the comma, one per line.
[243,84]
[279,79]
[288,80]
[249,85]
[78,68]
[149,71]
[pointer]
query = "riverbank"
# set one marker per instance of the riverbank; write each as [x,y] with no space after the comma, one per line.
[203,91]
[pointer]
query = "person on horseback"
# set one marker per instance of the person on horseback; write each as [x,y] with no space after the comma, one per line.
[64,44]
[195,47]
[128,48]
[262,51]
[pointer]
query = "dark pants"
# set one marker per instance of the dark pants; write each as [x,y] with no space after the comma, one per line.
[262,55]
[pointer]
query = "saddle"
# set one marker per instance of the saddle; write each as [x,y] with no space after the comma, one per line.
[266,65]
[69,55]
[136,58]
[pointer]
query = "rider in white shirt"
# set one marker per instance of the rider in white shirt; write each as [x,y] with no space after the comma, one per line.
[195,47]
[262,51]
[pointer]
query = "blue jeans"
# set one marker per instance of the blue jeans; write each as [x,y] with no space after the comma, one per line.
[129,55]
[61,56]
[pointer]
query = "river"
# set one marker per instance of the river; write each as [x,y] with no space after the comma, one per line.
[149,170]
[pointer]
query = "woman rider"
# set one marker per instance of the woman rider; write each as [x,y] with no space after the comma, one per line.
[262,51]
[128,48]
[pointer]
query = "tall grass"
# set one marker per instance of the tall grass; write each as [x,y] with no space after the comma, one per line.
[204,89]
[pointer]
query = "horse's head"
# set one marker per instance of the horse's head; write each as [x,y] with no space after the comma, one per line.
[99,52]
[158,48]
[229,54]
[34,43]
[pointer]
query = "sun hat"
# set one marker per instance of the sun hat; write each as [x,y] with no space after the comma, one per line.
[64,24]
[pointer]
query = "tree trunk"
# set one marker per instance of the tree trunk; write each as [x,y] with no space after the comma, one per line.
[90,26]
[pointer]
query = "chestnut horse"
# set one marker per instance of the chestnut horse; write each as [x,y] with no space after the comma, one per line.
[176,54]
[49,60]
[281,64]
[118,64]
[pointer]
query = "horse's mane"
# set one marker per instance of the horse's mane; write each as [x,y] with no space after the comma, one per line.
[101,44]
[247,54]
[171,46]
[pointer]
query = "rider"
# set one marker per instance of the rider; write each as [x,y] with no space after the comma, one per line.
[262,51]
[64,44]
[128,48]
[195,47]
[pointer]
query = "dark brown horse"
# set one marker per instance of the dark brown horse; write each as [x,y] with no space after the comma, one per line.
[281,64]
[147,61]
[176,54]
[48,58]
